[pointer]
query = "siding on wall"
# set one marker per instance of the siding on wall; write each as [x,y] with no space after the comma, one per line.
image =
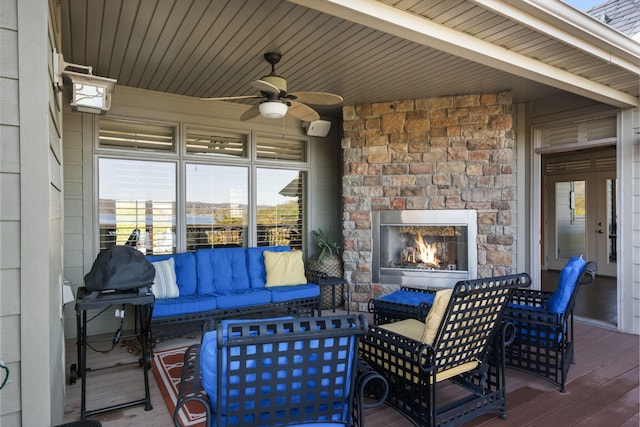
[635,226]
[10,405]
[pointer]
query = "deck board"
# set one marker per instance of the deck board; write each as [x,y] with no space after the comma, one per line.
[602,389]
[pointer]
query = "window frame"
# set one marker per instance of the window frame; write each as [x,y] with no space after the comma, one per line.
[180,157]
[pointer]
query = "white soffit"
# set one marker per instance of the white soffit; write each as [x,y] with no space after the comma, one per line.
[412,27]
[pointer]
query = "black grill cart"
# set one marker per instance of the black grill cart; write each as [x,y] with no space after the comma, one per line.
[142,301]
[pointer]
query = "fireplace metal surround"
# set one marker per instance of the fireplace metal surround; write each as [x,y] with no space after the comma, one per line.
[424,248]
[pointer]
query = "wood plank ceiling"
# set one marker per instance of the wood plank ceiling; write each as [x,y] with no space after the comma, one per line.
[207,48]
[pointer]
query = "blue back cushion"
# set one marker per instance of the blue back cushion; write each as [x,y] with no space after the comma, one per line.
[558,301]
[221,270]
[255,266]
[209,359]
[185,266]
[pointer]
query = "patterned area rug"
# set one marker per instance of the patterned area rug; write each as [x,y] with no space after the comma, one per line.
[167,368]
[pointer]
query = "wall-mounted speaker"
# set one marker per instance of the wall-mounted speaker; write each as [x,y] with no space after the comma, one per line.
[318,128]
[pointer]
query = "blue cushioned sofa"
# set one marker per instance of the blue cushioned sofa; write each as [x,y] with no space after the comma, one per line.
[224,283]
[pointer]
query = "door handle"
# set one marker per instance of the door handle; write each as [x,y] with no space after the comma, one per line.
[599,231]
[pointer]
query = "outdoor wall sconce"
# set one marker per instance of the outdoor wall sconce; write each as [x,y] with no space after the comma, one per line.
[89,93]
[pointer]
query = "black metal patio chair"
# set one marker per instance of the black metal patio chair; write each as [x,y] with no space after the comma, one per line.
[544,341]
[281,372]
[465,347]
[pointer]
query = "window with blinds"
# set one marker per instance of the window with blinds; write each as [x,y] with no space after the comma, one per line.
[217,206]
[280,207]
[592,130]
[226,195]
[216,142]
[279,148]
[137,204]
[136,135]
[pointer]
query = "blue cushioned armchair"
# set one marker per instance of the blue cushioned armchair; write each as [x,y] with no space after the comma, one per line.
[543,341]
[281,372]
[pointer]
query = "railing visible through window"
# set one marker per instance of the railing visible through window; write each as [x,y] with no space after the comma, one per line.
[217,206]
[137,204]
[280,207]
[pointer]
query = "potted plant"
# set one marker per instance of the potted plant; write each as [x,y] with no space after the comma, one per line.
[327,261]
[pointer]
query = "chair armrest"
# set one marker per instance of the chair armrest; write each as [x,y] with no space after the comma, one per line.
[315,276]
[530,297]
[371,390]
[407,350]
[526,314]
[589,273]
[198,397]
[190,389]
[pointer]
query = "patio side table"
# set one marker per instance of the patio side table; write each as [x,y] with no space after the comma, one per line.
[334,282]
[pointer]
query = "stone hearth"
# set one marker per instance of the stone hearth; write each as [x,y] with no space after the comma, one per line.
[453,152]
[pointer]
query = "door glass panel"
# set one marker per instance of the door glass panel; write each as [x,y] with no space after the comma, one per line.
[570,219]
[612,221]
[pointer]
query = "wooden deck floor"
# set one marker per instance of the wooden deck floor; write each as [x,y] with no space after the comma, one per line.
[602,390]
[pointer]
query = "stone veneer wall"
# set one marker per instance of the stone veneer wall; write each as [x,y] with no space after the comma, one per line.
[452,152]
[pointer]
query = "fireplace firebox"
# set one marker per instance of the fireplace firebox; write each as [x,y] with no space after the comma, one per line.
[424,248]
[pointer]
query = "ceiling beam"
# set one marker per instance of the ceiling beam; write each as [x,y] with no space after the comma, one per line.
[408,26]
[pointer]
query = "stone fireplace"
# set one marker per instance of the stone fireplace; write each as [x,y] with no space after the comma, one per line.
[444,154]
[424,248]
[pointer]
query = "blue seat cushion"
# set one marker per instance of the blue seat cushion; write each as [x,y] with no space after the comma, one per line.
[184,304]
[255,264]
[221,270]
[288,293]
[242,298]
[185,267]
[558,301]
[409,297]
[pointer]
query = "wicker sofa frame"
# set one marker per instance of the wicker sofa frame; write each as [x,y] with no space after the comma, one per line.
[544,341]
[169,327]
[471,330]
[283,372]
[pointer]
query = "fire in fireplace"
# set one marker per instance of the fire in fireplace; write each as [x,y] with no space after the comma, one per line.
[424,248]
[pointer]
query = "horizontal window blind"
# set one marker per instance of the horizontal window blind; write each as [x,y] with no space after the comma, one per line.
[278,148]
[592,130]
[217,206]
[137,204]
[216,142]
[136,135]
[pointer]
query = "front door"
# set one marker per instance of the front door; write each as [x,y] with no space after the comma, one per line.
[581,219]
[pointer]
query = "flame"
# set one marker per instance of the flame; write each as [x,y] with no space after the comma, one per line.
[427,252]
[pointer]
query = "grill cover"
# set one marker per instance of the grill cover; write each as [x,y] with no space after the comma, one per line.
[119,268]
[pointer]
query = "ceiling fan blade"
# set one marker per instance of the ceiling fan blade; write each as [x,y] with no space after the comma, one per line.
[303,112]
[228,98]
[264,86]
[250,113]
[318,98]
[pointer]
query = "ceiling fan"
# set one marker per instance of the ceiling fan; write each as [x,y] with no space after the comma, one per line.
[276,101]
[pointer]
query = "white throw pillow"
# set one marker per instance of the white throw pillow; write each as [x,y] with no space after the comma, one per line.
[165,285]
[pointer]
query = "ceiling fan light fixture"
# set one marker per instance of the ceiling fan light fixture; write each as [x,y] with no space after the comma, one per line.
[273,109]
